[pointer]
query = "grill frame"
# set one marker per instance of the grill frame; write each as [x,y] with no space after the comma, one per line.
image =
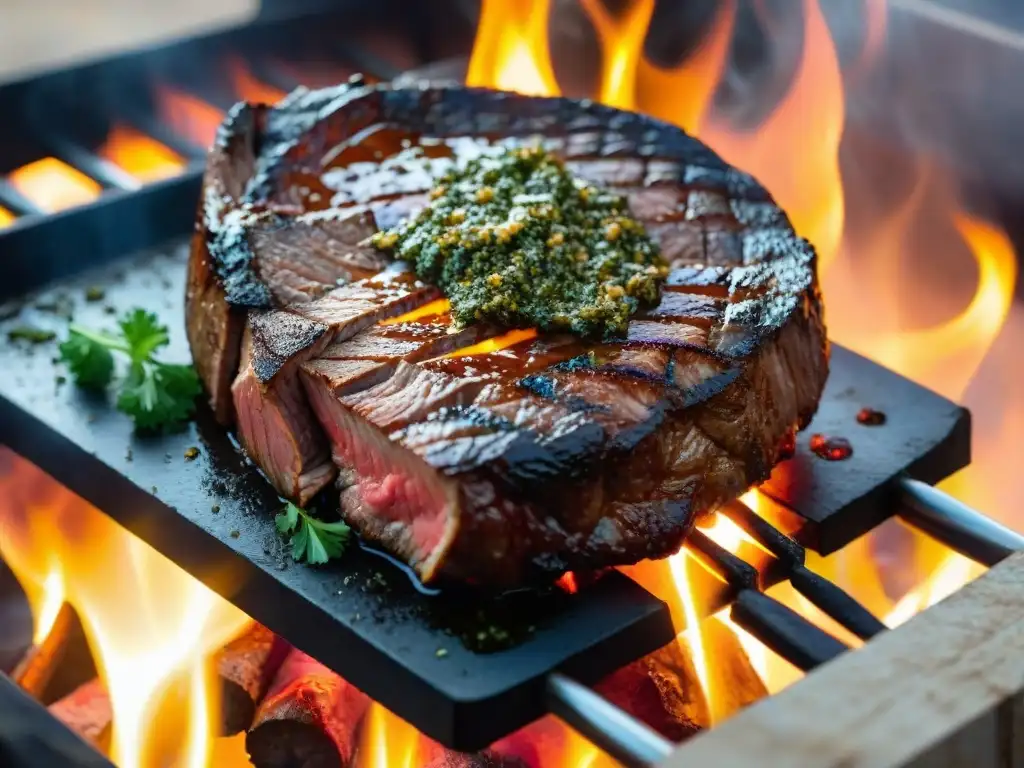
[168,501]
[101,218]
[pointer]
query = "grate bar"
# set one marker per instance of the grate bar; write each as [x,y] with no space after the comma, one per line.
[955,524]
[820,591]
[787,633]
[14,201]
[836,603]
[783,630]
[622,736]
[94,166]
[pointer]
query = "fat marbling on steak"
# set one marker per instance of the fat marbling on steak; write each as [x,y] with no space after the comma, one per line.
[497,465]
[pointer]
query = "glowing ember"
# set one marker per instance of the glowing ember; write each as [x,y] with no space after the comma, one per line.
[568,582]
[53,185]
[6,217]
[142,157]
[188,115]
[831,448]
[869,417]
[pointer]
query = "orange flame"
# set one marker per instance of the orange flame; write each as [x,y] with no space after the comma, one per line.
[622,41]
[495,344]
[876,27]
[188,115]
[431,308]
[795,151]
[511,48]
[387,741]
[248,87]
[53,185]
[683,95]
[143,158]
[151,641]
[6,217]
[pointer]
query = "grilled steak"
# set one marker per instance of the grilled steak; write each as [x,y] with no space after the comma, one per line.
[483,455]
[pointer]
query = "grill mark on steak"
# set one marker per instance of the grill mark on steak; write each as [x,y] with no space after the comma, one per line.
[553,453]
[302,257]
[371,357]
[276,426]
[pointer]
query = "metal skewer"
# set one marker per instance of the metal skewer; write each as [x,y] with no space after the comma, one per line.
[619,734]
[955,524]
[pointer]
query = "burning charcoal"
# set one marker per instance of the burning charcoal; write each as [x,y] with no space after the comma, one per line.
[731,675]
[87,712]
[661,690]
[41,662]
[308,719]
[673,670]
[529,745]
[479,760]
[245,667]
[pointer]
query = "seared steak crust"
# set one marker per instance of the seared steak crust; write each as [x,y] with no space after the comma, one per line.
[514,462]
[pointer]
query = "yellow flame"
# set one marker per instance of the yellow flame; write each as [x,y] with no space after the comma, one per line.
[387,741]
[497,343]
[49,604]
[795,151]
[140,156]
[53,185]
[682,95]
[151,627]
[431,308]
[511,48]
[6,217]
[679,564]
[621,38]
[946,355]
[250,88]
[952,574]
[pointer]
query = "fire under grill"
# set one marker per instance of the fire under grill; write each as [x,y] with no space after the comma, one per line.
[463,669]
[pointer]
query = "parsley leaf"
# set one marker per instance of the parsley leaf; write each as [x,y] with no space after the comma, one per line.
[143,333]
[90,362]
[156,395]
[314,541]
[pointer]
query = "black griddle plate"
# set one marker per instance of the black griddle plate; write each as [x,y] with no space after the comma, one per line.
[412,652]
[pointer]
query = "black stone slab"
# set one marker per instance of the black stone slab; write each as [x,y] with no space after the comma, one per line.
[464,670]
[925,435]
[417,654]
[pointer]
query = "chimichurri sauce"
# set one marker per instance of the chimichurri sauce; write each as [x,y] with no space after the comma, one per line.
[516,240]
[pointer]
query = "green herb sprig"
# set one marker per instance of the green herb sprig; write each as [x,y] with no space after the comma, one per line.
[313,541]
[156,395]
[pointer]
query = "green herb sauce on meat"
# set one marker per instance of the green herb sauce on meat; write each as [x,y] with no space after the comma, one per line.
[515,239]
